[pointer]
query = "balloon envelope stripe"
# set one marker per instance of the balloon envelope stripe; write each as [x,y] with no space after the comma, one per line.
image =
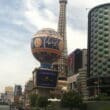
[48,50]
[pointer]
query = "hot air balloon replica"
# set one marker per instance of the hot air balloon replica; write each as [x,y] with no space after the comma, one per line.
[46,46]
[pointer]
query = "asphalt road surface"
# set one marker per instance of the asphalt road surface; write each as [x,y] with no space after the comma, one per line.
[4,107]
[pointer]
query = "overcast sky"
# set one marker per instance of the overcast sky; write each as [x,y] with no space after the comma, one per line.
[20,19]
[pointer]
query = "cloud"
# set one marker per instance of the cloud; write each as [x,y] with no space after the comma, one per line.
[16,60]
[40,19]
[20,19]
[76,39]
[16,67]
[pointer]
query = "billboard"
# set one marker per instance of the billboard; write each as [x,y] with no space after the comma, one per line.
[46,78]
[47,42]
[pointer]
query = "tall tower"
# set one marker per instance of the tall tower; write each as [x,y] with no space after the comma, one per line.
[62,63]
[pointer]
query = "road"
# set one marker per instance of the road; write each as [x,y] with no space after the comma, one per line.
[4,107]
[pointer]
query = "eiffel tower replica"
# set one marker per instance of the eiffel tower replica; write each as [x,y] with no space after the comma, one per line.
[61,65]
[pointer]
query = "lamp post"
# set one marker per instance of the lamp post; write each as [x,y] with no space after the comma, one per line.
[98,85]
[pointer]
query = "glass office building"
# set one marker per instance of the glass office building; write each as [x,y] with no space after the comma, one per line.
[99,50]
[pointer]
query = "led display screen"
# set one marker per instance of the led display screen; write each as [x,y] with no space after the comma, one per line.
[46,78]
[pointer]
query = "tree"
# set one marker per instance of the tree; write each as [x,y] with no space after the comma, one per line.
[33,100]
[43,102]
[71,100]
